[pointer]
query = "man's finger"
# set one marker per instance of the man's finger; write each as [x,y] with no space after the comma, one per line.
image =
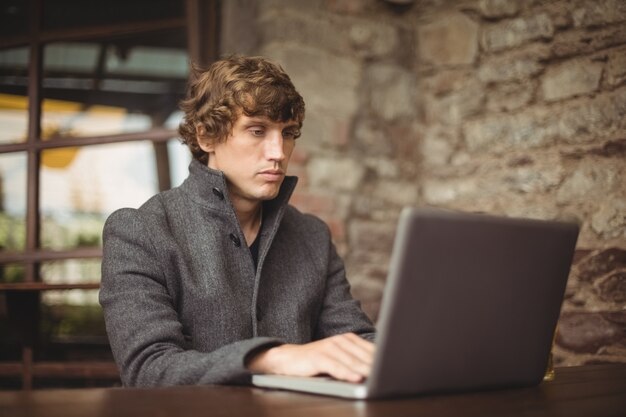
[354,345]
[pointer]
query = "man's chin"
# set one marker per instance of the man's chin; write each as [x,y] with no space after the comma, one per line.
[262,196]
[269,196]
[269,192]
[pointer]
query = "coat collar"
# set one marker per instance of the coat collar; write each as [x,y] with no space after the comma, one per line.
[208,187]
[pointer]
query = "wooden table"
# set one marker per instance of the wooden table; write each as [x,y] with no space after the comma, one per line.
[594,390]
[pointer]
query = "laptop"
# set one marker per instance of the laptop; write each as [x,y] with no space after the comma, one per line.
[471,303]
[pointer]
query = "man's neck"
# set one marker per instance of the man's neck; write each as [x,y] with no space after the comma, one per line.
[249,215]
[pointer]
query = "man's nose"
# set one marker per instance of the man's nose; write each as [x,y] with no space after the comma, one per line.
[274,147]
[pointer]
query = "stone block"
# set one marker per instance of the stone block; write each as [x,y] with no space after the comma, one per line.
[450,39]
[297,166]
[579,42]
[398,193]
[368,270]
[343,174]
[372,39]
[405,136]
[572,78]
[367,286]
[609,221]
[325,80]
[367,205]
[300,172]
[440,192]
[322,130]
[531,128]
[234,16]
[438,145]
[341,136]
[385,168]
[612,287]
[337,227]
[600,262]
[515,32]
[372,236]
[445,81]
[515,205]
[368,38]
[299,156]
[579,122]
[310,28]
[317,203]
[486,132]
[589,181]
[346,6]
[513,66]
[588,332]
[370,138]
[616,67]
[611,148]
[534,179]
[599,12]
[302,5]
[392,91]
[452,108]
[560,14]
[498,8]
[591,120]
[510,96]
[608,149]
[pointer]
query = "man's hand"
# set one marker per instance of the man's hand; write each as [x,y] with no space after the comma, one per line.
[345,357]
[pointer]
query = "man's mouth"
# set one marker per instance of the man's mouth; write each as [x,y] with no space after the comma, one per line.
[273,174]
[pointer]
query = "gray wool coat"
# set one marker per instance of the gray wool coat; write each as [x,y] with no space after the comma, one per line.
[183,303]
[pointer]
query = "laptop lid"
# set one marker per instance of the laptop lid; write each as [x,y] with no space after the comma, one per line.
[471,302]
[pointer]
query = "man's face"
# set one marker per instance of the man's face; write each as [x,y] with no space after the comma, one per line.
[254,157]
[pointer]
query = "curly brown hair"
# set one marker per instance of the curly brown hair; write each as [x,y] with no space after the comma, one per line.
[218,95]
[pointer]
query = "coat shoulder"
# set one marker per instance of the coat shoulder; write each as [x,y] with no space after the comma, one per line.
[304,222]
[151,214]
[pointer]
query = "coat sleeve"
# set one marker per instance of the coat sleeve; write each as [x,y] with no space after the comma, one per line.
[142,323]
[340,312]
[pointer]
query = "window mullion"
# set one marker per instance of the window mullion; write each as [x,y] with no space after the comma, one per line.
[34,133]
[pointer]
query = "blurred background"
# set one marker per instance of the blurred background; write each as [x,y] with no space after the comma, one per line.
[499,106]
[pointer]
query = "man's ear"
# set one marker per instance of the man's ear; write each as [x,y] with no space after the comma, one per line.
[205,141]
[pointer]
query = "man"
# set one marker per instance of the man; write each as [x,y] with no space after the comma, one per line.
[220,278]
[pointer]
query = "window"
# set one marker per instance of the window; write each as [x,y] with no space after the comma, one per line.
[88,116]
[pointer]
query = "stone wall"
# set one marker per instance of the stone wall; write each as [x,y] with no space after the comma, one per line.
[501,106]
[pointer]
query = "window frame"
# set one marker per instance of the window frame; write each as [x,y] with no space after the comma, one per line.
[201,22]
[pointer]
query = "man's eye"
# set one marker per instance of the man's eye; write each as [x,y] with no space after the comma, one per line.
[289,134]
[257,132]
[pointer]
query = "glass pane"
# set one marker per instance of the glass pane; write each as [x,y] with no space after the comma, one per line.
[63,14]
[179,155]
[62,118]
[13,98]
[71,314]
[80,187]
[14,17]
[148,61]
[9,341]
[12,273]
[13,201]
[105,87]
[179,161]
[71,271]
[13,118]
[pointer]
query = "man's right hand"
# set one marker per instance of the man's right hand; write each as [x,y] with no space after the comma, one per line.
[346,357]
